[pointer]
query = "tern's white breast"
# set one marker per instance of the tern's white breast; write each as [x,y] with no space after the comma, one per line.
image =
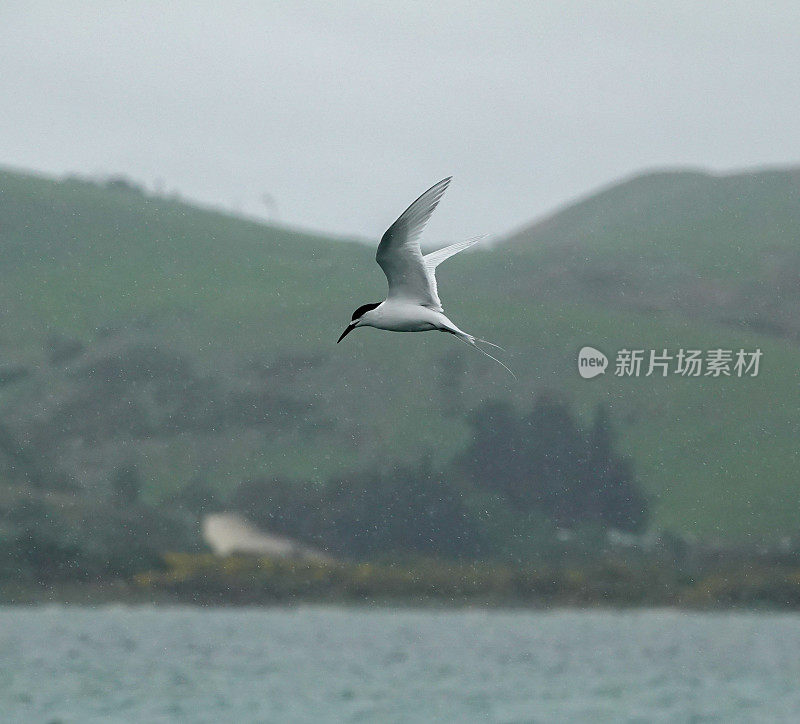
[403,317]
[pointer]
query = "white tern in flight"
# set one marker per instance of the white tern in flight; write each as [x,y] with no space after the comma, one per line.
[413,304]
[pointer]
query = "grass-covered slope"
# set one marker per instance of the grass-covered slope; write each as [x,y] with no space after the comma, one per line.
[253,313]
[721,226]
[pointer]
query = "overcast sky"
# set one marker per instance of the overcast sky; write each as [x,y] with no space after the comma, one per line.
[335,116]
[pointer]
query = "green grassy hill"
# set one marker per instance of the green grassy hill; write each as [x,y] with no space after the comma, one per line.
[720,248]
[207,344]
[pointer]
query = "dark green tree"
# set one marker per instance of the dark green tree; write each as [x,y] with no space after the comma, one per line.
[397,510]
[545,462]
[610,478]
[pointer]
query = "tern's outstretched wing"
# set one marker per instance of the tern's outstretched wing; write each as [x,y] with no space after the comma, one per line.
[435,258]
[411,275]
[400,257]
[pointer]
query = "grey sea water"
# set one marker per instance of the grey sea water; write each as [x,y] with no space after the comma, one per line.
[72,664]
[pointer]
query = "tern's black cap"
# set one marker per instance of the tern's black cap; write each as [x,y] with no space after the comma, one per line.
[361,310]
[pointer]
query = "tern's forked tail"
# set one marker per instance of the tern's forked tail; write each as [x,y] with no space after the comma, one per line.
[472,341]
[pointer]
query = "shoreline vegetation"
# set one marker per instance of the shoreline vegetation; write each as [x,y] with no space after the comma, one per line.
[208,580]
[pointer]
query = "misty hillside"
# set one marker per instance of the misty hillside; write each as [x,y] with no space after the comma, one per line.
[200,349]
[720,248]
